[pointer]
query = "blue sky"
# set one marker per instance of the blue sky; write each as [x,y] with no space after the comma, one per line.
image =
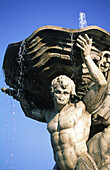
[24,143]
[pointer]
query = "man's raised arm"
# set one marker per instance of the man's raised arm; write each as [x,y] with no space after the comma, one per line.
[95,92]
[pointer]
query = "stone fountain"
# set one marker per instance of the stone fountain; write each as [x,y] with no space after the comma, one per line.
[31,65]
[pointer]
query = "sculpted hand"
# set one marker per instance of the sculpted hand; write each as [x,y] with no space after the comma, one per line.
[85,44]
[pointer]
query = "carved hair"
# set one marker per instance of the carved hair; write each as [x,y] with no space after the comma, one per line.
[64,82]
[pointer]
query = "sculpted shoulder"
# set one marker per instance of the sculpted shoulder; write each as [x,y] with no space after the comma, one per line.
[81,105]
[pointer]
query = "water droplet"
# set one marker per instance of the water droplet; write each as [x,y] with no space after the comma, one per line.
[7,161]
[14,105]
[13,113]
[11,154]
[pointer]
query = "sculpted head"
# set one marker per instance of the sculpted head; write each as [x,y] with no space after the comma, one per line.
[62,88]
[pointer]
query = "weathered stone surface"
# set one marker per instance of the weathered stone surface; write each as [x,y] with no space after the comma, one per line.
[51,51]
[61,77]
[99,149]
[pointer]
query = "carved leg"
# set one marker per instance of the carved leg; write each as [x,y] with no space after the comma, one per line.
[99,149]
[85,162]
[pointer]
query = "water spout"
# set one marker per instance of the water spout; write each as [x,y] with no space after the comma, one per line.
[82,20]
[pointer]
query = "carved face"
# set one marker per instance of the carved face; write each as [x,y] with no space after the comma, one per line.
[62,87]
[61,96]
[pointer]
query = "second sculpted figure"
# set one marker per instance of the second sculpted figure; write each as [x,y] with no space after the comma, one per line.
[69,121]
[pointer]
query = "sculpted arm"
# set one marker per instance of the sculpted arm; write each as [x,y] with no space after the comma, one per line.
[96,91]
[32,111]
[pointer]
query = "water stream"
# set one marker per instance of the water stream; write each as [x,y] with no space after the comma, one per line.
[10,114]
[9,131]
[82,20]
[82,24]
[73,53]
[21,65]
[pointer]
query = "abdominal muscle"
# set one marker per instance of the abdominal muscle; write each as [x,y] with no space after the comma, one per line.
[68,145]
[69,136]
[67,150]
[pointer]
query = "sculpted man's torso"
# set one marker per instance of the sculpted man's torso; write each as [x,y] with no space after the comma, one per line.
[64,128]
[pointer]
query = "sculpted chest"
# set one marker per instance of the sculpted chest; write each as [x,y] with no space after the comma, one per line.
[63,120]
